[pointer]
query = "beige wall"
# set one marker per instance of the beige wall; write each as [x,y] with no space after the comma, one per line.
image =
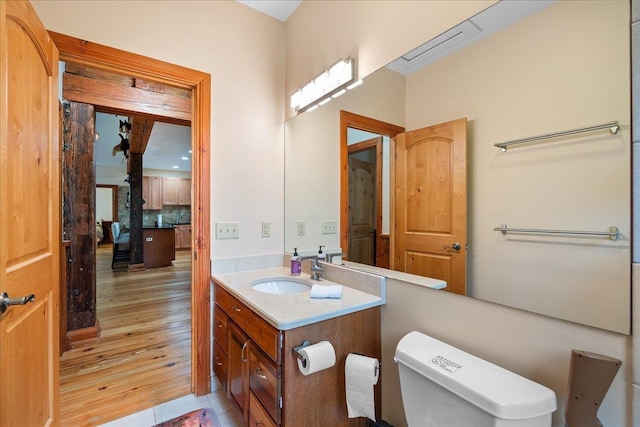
[507,89]
[243,50]
[374,31]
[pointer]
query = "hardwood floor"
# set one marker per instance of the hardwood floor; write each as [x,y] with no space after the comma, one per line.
[143,356]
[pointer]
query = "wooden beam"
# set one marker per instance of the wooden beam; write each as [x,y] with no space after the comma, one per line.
[141,128]
[108,94]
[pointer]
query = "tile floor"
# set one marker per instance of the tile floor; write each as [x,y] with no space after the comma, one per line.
[228,414]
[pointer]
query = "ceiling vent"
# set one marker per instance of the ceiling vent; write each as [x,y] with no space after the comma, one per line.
[435,48]
[489,21]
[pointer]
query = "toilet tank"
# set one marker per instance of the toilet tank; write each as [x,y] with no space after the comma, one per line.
[445,386]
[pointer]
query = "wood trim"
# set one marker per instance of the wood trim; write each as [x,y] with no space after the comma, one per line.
[62,297]
[356,121]
[118,61]
[81,336]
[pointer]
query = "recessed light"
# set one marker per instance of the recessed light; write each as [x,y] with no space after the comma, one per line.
[189,151]
[175,167]
[185,158]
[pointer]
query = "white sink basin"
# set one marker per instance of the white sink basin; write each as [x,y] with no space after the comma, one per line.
[281,285]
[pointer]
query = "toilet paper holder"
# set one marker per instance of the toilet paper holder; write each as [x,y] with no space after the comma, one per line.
[303,359]
[296,352]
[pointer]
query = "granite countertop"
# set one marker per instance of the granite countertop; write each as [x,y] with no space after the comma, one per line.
[163,227]
[291,311]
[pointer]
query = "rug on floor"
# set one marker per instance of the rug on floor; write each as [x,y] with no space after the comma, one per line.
[199,418]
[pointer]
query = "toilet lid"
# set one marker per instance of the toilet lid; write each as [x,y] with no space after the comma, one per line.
[500,392]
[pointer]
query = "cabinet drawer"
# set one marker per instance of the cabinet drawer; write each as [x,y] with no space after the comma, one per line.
[233,308]
[220,327]
[220,364]
[262,333]
[264,382]
[257,414]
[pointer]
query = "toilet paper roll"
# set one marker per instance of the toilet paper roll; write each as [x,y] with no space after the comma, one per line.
[361,374]
[318,357]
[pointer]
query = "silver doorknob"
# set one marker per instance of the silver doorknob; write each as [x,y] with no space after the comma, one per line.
[456,247]
[5,301]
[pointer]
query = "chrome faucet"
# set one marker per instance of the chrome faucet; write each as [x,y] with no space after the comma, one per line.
[316,270]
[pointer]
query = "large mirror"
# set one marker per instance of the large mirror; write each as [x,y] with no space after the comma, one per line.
[564,66]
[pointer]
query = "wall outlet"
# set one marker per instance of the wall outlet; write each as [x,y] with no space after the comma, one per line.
[227,230]
[329,227]
[302,228]
[266,228]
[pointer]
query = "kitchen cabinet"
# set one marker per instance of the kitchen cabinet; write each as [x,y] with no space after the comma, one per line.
[262,374]
[152,192]
[184,192]
[183,236]
[176,191]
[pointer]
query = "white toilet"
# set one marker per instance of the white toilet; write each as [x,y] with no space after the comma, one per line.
[443,386]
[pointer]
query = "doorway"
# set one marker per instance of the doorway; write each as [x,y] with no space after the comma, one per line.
[150,70]
[360,135]
[106,211]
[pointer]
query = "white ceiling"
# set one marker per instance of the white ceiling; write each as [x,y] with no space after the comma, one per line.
[279,9]
[166,148]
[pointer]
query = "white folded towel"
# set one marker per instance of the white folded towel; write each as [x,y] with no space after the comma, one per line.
[323,291]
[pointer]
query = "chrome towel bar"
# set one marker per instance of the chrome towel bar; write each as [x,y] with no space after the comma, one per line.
[612,234]
[613,127]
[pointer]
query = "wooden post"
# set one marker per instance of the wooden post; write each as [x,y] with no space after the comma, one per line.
[79,198]
[135,211]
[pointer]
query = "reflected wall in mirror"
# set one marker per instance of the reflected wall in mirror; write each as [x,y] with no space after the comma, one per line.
[564,67]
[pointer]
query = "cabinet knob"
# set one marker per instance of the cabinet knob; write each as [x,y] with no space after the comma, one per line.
[219,324]
[260,374]
[235,308]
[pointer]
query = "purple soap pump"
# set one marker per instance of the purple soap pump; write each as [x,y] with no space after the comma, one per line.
[296,264]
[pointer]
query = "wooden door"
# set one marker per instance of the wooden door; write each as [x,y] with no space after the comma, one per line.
[430,206]
[30,216]
[362,210]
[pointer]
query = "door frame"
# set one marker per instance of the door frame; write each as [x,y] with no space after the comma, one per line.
[356,121]
[142,67]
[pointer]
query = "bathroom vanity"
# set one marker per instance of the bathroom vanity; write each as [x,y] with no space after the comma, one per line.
[255,335]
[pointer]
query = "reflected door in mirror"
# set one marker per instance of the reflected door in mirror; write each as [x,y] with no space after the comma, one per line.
[362,209]
[430,203]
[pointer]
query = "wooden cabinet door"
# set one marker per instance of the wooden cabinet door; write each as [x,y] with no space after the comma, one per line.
[238,363]
[169,191]
[152,192]
[183,236]
[184,192]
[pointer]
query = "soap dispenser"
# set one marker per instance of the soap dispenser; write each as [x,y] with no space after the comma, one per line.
[296,264]
[321,255]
